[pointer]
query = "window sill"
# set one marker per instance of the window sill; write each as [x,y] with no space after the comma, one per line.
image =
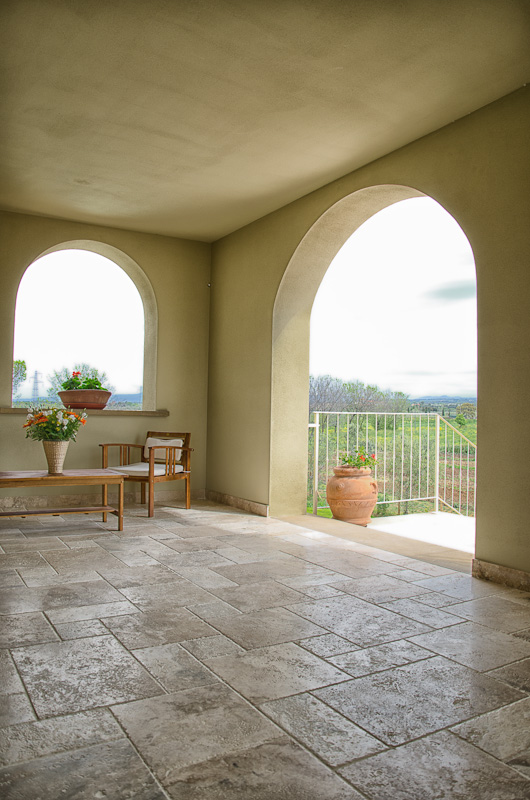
[104,413]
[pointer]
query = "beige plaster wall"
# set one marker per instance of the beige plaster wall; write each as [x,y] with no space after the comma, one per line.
[179,273]
[478,169]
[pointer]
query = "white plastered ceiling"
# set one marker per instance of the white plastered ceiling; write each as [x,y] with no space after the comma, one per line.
[194,117]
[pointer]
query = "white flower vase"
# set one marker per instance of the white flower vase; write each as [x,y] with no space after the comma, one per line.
[55,452]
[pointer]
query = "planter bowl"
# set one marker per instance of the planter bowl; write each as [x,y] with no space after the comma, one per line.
[94,399]
[352,494]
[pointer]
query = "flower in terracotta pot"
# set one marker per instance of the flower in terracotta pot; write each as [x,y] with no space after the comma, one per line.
[352,491]
[360,459]
[84,391]
[77,381]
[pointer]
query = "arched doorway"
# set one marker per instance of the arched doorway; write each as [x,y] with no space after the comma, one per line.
[290,351]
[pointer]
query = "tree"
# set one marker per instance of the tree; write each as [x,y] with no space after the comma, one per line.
[460,420]
[327,393]
[468,410]
[59,376]
[19,375]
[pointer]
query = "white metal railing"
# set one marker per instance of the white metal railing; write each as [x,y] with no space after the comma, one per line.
[421,457]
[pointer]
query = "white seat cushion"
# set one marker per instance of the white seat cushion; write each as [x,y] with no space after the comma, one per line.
[152,442]
[141,469]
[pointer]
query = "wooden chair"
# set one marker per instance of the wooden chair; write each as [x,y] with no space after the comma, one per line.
[165,456]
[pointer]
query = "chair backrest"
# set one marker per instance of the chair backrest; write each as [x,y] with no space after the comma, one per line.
[165,438]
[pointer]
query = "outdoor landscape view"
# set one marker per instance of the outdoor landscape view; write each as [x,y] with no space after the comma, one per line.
[393,362]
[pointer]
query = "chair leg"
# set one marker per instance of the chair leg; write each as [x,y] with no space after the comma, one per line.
[142,494]
[188,492]
[151,500]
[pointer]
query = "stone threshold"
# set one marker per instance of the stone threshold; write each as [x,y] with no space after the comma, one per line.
[400,545]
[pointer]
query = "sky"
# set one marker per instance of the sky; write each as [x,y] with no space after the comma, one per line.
[397,306]
[76,306]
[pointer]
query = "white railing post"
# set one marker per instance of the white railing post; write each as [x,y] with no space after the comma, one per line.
[437,465]
[316,419]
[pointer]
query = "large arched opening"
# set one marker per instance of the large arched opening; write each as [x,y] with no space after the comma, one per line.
[291,327]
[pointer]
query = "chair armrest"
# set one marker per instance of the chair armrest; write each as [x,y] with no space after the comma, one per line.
[120,444]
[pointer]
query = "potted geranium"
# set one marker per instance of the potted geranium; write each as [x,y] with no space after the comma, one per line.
[352,491]
[55,428]
[84,392]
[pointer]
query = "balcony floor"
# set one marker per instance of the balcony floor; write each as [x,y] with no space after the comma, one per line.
[441,528]
[209,654]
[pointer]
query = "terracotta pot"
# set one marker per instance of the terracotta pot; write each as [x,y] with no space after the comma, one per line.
[55,452]
[85,398]
[352,494]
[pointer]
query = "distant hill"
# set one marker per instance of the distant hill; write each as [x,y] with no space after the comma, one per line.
[443,398]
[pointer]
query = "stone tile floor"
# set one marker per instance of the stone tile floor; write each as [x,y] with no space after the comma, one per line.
[209,654]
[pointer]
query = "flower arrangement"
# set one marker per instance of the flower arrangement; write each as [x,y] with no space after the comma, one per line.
[360,459]
[53,424]
[78,382]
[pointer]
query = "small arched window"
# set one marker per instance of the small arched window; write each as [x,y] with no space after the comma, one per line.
[76,306]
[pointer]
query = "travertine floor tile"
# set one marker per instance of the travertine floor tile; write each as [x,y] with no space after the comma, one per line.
[81,630]
[359,621]
[252,597]
[14,709]
[474,646]
[110,770]
[174,668]
[137,576]
[81,674]
[20,600]
[419,698]
[277,671]
[380,588]
[516,675]
[43,737]
[379,658]
[188,727]
[495,612]
[263,628]
[504,733]
[158,597]
[90,612]
[22,629]
[326,733]
[327,645]
[10,682]
[211,647]
[440,763]
[278,770]
[151,628]
[434,617]
[461,587]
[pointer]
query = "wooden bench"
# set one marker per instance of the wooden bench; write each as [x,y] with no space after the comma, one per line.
[70,477]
